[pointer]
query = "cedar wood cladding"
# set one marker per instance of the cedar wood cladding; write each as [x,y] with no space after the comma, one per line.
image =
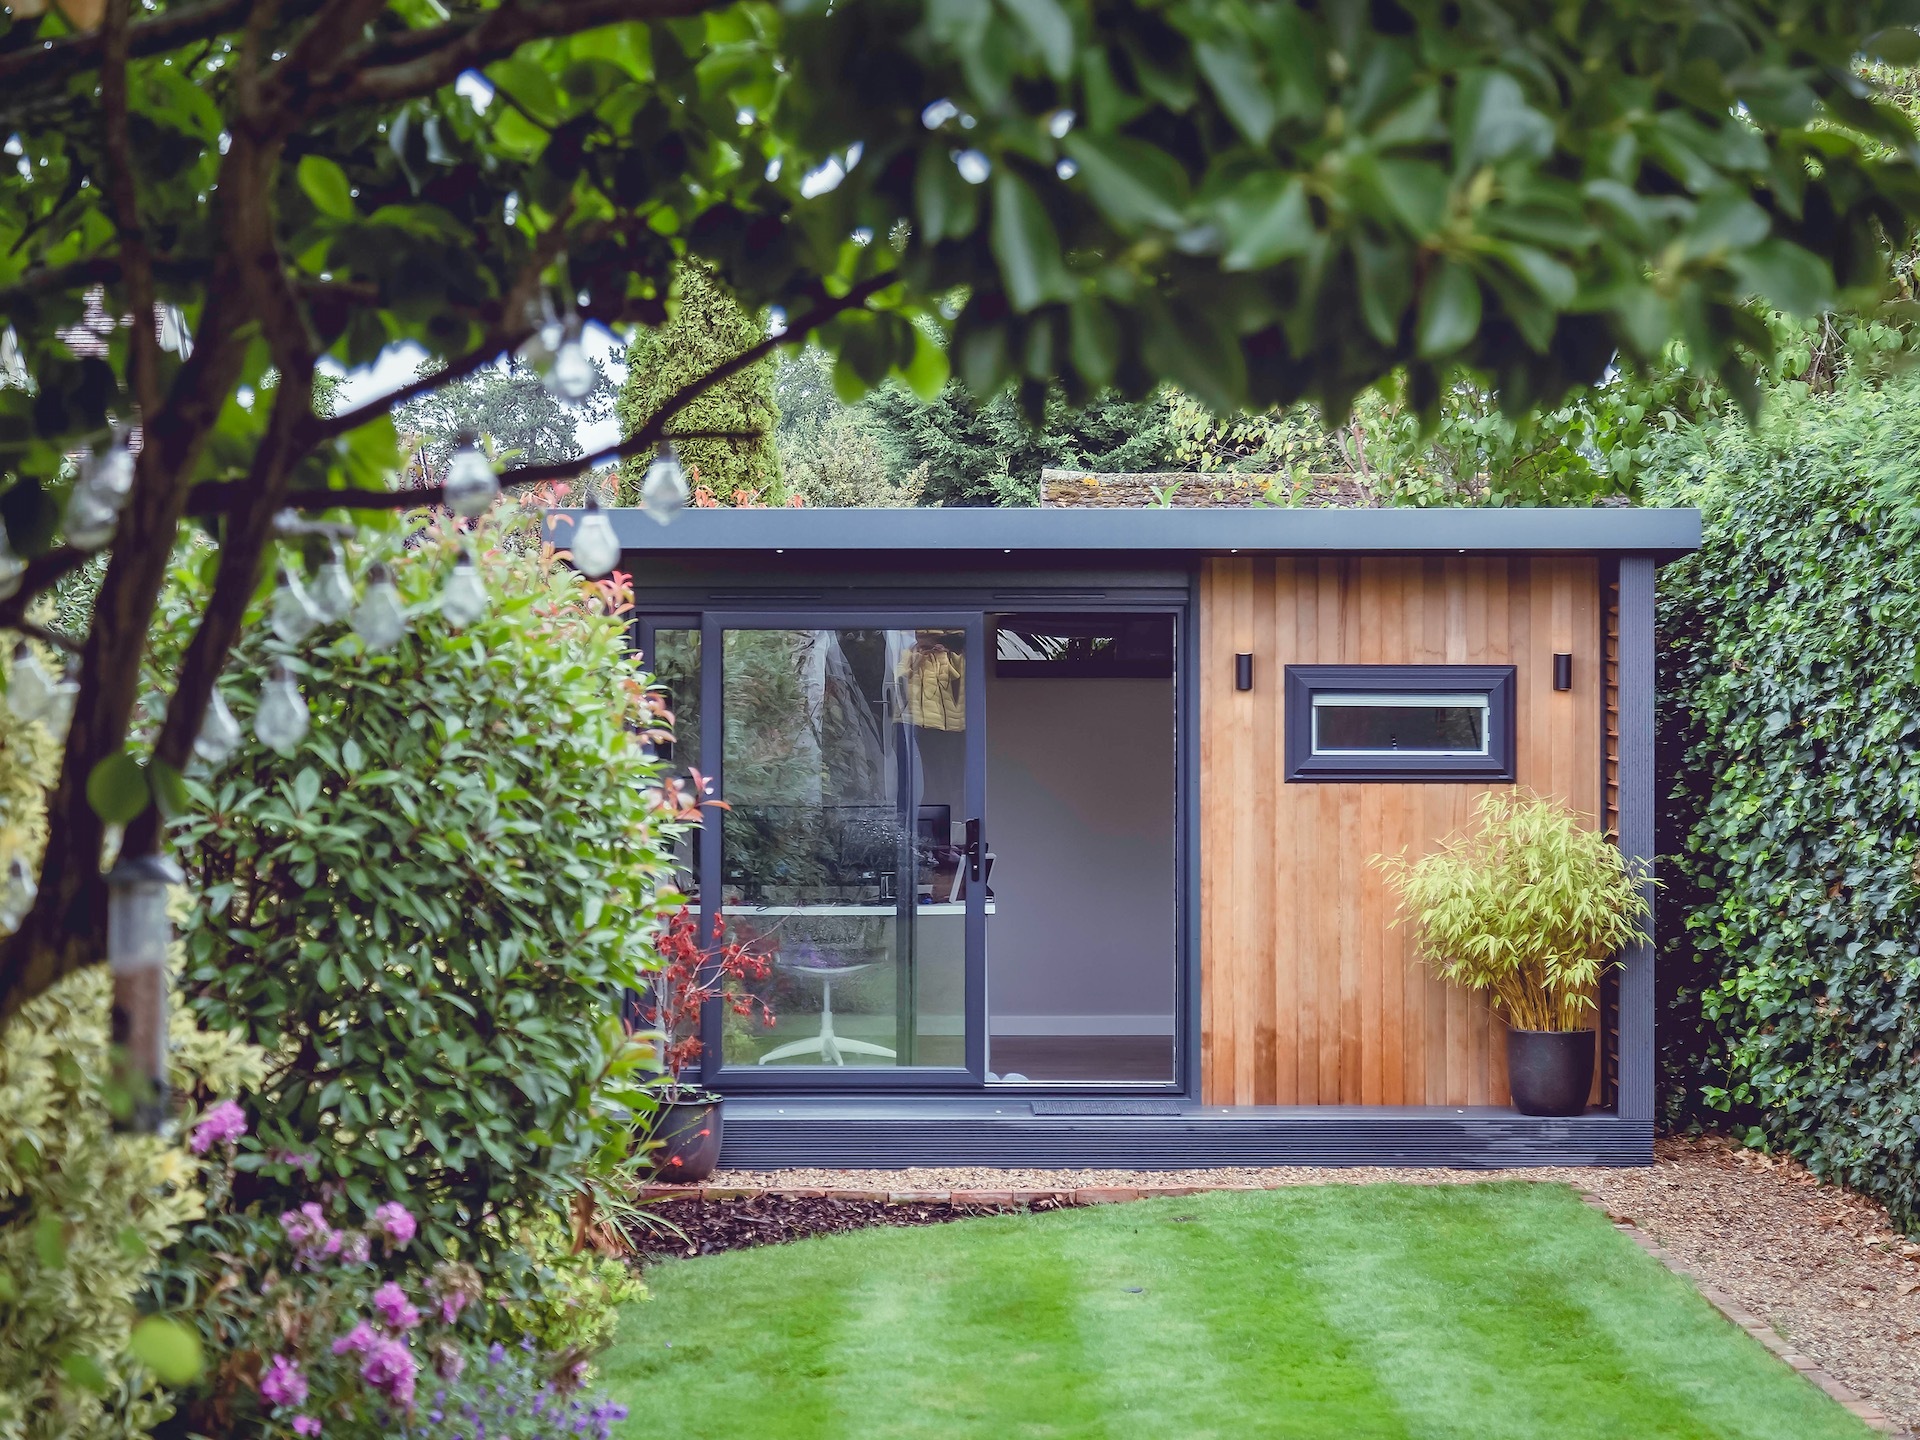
[1309,993]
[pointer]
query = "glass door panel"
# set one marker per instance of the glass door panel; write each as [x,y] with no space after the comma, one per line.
[849,780]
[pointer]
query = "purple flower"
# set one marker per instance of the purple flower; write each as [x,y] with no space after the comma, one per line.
[496,1353]
[390,1368]
[396,1222]
[312,1238]
[357,1341]
[305,1425]
[396,1312]
[222,1125]
[283,1384]
[300,1160]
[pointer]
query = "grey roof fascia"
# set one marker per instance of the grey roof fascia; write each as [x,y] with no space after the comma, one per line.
[1661,534]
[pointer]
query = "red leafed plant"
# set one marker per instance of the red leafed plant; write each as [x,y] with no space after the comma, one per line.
[694,974]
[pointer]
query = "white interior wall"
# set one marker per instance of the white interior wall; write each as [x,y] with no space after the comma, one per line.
[1080,807]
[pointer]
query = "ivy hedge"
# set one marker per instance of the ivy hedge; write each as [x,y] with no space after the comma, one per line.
[1790,755]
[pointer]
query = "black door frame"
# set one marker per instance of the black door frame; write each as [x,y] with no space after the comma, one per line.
[692,608]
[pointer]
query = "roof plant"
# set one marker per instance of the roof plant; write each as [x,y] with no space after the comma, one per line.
[211,200]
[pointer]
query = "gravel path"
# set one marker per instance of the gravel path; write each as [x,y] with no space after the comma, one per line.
[1822,1266]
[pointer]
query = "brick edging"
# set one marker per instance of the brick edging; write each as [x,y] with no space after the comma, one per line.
[1869,1413]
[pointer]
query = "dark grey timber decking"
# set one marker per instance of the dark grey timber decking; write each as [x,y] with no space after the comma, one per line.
[767,1133]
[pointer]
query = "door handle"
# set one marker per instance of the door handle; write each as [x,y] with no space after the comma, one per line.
[974,851]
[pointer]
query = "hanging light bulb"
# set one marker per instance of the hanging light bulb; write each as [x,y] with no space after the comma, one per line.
[138,937]
[30,691]
[464,598]
[596,549]
[281,722]
[219,733]
[293,617]
[332,592]
[60,702]
[17,895]
[571,375]
[549,335]
[12,567]
[381,619]
[90,519]
[663,494]
[109,474]
[471,485]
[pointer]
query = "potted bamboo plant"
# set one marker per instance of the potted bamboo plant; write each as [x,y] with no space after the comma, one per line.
[685,1131]
[1532,907]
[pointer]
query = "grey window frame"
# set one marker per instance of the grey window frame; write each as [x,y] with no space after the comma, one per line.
[1493,682]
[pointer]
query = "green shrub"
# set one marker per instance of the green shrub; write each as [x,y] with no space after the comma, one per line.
[430,911]
[1790,751]
[85,1211]
[1531,907]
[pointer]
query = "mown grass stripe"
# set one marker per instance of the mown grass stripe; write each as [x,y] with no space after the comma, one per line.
[1222,1334]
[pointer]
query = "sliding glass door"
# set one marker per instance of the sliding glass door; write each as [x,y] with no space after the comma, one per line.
[851,854]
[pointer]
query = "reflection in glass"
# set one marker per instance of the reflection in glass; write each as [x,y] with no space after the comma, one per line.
[1390,724]
[675,664]
[843,769]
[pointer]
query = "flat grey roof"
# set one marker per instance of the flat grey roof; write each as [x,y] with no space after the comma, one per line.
[1663,534]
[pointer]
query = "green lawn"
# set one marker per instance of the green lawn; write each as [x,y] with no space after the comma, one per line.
[1484,1311]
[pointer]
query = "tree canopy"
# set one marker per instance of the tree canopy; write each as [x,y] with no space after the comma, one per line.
[1262,204]
[707,330]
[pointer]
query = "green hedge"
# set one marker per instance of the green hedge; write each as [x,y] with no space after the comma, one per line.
[1790,749]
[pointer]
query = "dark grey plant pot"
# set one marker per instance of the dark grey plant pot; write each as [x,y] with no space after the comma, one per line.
[1550,1072]
[688,1132]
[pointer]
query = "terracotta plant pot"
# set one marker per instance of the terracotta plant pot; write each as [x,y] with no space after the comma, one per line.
[1550,1072]
[688,1132]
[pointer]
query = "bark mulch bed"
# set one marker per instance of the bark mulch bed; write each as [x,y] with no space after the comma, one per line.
[1821,1268]
[709,1224]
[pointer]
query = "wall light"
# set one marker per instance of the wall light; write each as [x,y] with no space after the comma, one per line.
[1563,672]
[1243,671]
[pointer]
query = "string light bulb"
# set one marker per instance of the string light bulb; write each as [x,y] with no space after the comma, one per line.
[571,374]
[596,549]
[293,617]
[463,599]
[332,592]
[30,690]
[471,484]
[12,567]
[90,519]
[60,702]
[664,493]
[380,620]
[17,895]
[281,721]
[219,733]
[109,474]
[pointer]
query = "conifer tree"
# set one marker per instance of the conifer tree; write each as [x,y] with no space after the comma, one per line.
[707,329]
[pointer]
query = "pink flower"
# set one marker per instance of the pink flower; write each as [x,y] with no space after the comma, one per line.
[357,1250]
[357,1341]
[396,1312]
[312,1238]
[396,1222]
[222,1125]
[451,1304]
[390,1368]
[305,1425]
[283,1384]
[448,1360]
[300,1160]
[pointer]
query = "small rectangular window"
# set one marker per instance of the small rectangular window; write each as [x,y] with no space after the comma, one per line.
[1430,724]
[1399,722]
